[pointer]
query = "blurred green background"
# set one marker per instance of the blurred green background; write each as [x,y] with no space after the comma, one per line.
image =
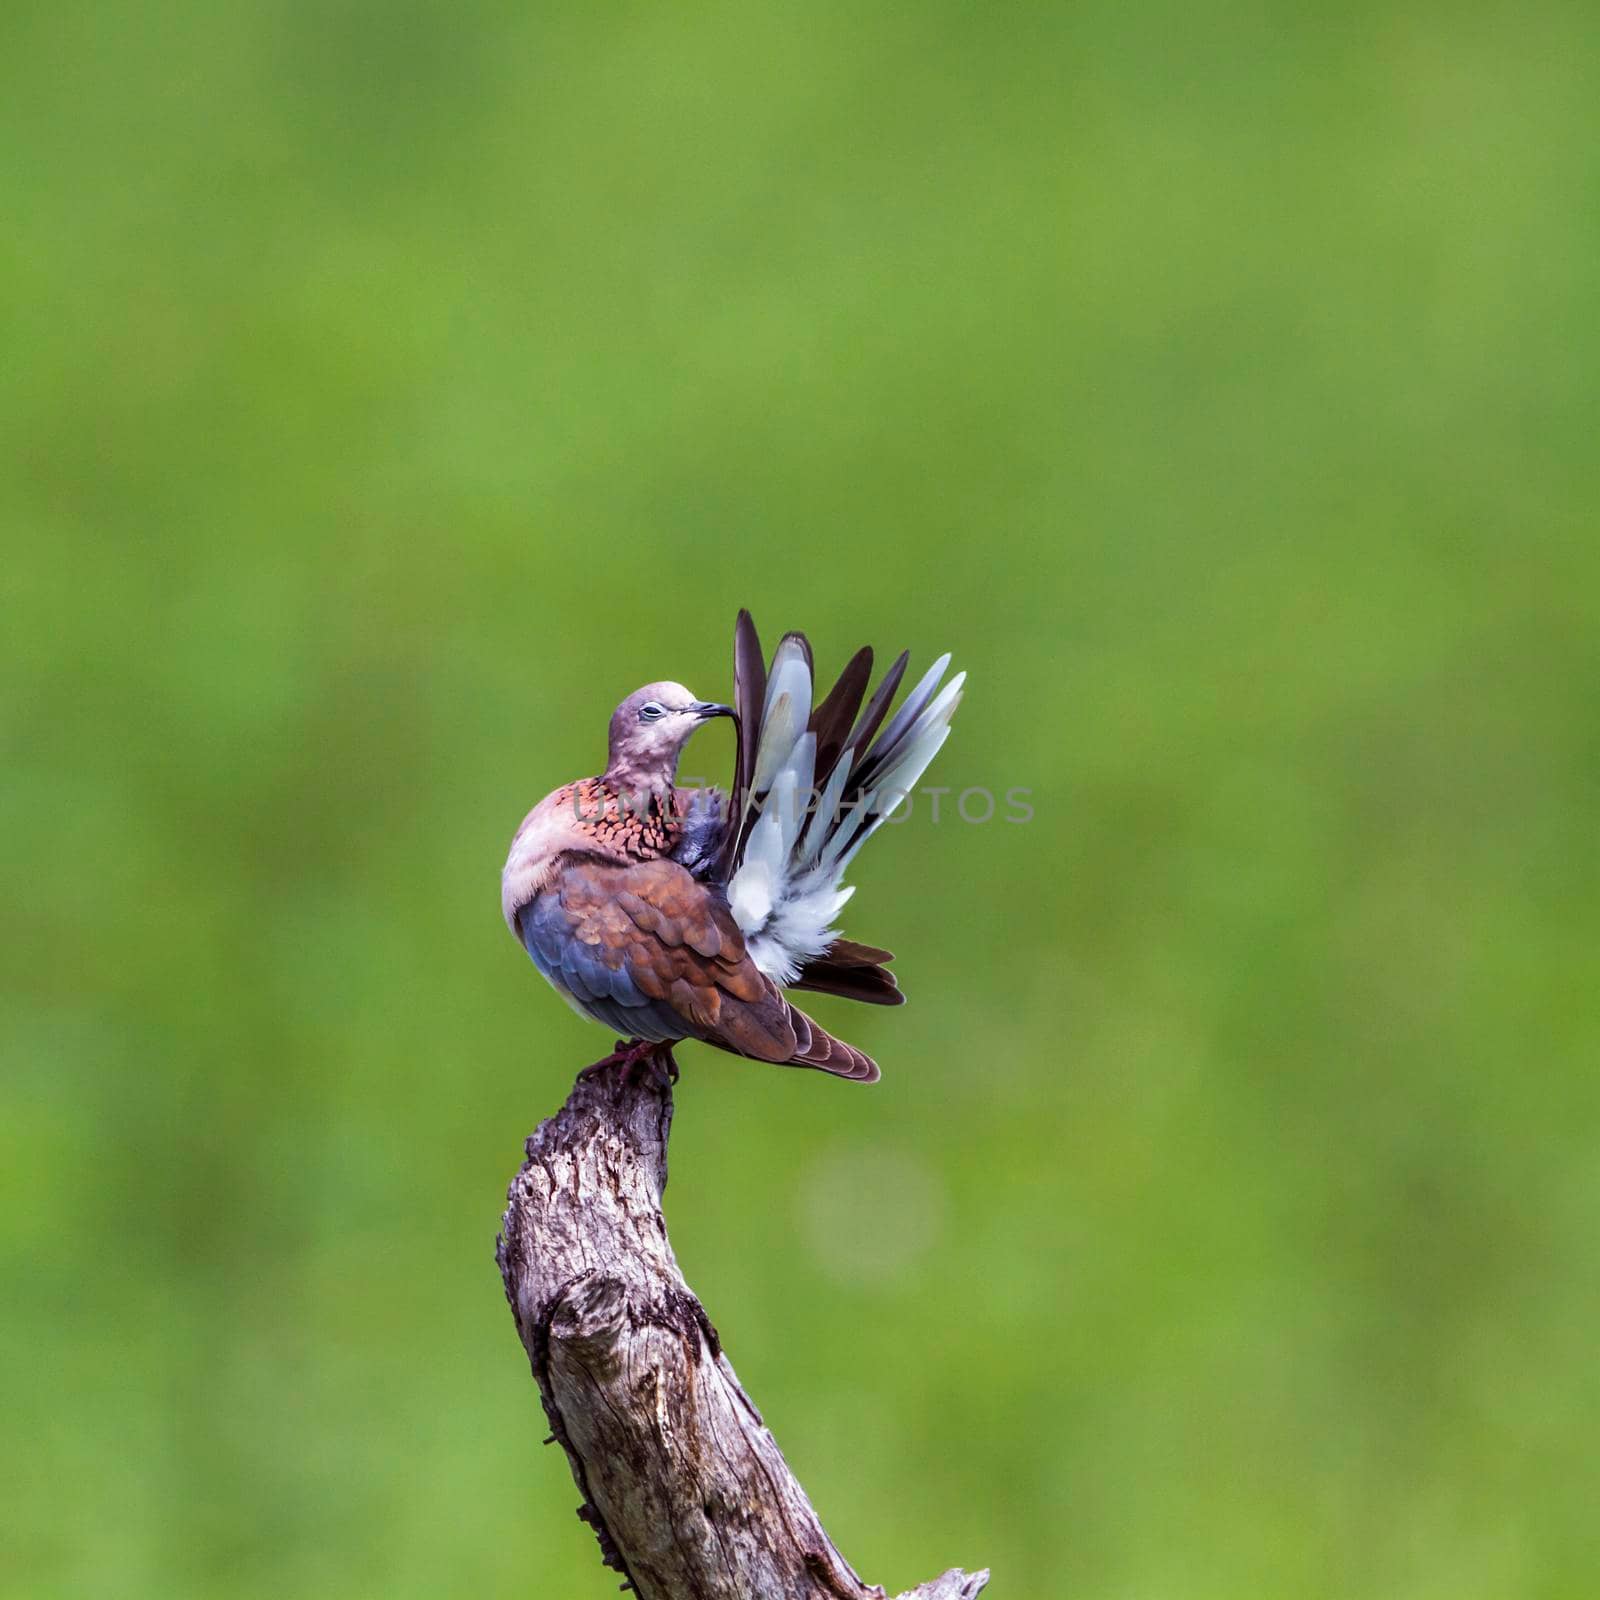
[387,389]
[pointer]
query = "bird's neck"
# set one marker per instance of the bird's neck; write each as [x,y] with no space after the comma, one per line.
[641,782]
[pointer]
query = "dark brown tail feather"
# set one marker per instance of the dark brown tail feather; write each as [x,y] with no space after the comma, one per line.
[872,986]
[847,953]
[853,971]
[749,693]
[835,716]
[878,706]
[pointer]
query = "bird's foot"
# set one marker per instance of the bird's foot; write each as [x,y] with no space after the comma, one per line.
[653,1061]
[630,1054]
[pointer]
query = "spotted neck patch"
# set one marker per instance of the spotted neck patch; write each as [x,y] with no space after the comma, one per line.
[627,826]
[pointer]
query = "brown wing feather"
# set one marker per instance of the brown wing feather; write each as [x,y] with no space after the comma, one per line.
[678,942]
[833,1055]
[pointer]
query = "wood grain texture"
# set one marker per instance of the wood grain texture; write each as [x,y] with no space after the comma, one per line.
[685,1488]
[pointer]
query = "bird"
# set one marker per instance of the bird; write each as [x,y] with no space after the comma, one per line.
[666,913]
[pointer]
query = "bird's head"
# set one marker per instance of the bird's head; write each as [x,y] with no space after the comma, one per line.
[649,729]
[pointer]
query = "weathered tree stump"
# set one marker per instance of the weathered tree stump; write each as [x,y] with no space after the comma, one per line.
[685,1488]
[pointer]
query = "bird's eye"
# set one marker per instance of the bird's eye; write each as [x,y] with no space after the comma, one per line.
[650,710]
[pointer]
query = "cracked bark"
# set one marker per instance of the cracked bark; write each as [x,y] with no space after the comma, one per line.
[686,1490]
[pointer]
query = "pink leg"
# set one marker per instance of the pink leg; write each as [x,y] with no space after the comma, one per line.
[632,1053]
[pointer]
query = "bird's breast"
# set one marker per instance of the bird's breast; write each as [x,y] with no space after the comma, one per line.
[591,817]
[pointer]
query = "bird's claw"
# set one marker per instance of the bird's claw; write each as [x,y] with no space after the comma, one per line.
[631,1054]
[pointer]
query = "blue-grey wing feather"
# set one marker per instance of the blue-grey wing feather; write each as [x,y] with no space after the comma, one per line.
[703,827]
[607,994]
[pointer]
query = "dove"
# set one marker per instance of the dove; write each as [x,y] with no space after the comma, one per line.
[665,913]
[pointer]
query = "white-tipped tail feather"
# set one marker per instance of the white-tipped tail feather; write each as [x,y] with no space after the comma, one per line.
[785,889]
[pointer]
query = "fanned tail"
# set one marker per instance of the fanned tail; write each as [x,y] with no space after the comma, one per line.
[811,786]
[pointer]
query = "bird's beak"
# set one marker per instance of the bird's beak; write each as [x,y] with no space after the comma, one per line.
[704,710]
